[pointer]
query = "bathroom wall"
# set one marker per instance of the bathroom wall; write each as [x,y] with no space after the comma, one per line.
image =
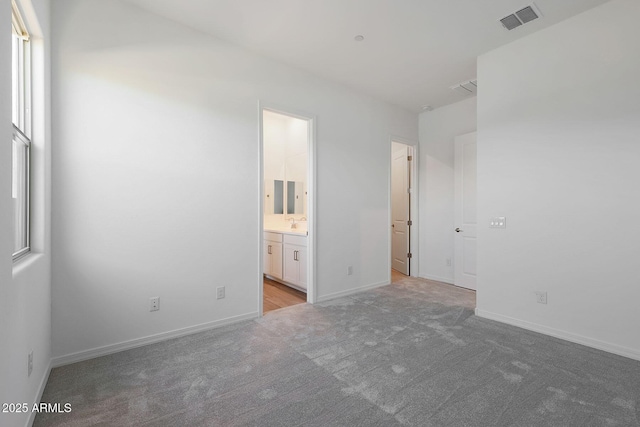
[285,152]
[274,134]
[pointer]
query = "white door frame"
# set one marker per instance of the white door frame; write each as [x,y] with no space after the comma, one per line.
[312,292]
[414,269]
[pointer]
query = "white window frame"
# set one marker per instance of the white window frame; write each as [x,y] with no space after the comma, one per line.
[21,118]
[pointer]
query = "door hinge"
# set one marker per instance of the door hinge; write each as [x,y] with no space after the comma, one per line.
[409,255]
[409,222]
[409,190]
[409,158]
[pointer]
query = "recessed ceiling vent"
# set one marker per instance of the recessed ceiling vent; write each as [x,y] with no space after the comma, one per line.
[521,17]
[466,88]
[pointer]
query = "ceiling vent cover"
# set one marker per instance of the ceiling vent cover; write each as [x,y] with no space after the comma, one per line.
[527,14]
[510,22]
[520,17]
[466,88]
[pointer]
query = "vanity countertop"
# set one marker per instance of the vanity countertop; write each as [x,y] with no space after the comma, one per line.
[287,230]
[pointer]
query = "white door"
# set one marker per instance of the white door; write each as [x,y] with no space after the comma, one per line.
[400,213]
[295,265]
[273,259]
[291,271]
[276,259]
[465,211]
[302,261]
[266,257]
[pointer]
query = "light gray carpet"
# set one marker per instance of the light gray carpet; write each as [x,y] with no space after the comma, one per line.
[386,357]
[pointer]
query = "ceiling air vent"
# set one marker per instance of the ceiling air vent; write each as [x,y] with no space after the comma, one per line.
[466,88]
[527,14]
[520,17]
[510,22]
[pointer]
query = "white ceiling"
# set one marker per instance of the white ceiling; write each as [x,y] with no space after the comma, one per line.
[413,50]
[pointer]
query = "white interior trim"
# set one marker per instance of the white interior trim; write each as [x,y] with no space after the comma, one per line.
[151,339]
[39,393]
[414,235]
[312,291]
[353,291]
[446,280]
[261,210]
[564,335]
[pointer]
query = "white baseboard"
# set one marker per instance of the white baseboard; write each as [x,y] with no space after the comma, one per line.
[39,392]
[557,333]
[352,291]
[448,281]
[151,339]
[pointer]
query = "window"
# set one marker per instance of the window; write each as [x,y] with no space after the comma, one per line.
[21,142]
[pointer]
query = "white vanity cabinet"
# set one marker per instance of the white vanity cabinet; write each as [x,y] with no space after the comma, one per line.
[295,260]
[285,258]
[273,254]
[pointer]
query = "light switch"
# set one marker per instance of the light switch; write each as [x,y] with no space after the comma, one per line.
[498,222]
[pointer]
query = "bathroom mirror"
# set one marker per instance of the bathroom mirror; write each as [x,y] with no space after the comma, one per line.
[295,198]
[278,197]
[274,197]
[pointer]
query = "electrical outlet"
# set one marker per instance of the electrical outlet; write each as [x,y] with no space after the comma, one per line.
[220,292]
[30,363]
[349,270]
[541,297]
[448,261]
[154,304]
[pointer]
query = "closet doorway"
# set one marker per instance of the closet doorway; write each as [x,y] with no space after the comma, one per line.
[402,177]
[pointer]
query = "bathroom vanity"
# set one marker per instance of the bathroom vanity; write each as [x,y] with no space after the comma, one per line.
[285,257]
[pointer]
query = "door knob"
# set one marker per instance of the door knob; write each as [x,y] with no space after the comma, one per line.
[458,230]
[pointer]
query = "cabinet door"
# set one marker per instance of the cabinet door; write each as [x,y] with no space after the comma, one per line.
[291,266]
[266,258]
[276,260]
[302,263]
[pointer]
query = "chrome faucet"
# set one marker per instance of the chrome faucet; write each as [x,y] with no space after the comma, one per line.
[293,222]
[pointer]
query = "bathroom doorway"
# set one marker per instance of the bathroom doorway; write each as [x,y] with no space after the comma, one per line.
[287,209]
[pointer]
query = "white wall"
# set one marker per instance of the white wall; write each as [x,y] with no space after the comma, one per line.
[25,291]
[156,176]
[558,150]
[10,358]
[296,153]
[438,129]
[274,141]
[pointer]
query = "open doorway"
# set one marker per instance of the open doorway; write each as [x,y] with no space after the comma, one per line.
[402,177]
[287,213]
